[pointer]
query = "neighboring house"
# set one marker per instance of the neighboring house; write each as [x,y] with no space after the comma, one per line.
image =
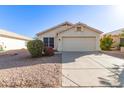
[12,41]
[71,37]
[116,35]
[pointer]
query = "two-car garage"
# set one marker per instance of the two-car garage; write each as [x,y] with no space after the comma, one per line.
[79,43]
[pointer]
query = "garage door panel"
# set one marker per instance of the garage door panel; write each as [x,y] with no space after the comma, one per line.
[79,44]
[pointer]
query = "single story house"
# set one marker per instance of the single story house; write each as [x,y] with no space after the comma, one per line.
[71,37]
[12,41]
[117,36]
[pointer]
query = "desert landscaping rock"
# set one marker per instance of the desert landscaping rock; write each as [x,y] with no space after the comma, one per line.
[23,71]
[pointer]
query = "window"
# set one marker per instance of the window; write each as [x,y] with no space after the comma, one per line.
[49,41]
[45,40]
[79,28]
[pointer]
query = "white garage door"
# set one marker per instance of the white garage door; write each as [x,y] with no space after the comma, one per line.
[79,44]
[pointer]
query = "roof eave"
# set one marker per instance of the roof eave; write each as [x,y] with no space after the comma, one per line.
[85,25]
[66,22]
[27,39]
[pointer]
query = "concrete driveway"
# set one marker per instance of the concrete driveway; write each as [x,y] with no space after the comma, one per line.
[92,69]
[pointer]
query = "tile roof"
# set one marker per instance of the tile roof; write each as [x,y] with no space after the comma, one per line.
[5,33]
[116,32]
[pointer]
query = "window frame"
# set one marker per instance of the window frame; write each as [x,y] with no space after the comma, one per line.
[45,41]
[49,44]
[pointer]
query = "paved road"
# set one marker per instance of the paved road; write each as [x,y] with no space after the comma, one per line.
[92,69]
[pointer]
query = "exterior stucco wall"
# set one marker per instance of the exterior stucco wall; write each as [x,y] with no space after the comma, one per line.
[53,33]
[12,44]
[116,40]
[50,34]
[73,33]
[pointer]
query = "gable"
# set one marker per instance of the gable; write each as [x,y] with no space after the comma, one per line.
[52,33]
[85,31]
[56,28]
[83,26]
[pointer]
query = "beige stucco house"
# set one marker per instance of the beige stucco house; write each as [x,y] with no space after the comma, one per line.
[71,37]
[12,41]
[116,36]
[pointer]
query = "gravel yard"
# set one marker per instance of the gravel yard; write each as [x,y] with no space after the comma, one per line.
[18,69]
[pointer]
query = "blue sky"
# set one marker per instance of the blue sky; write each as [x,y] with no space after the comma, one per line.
[28,20]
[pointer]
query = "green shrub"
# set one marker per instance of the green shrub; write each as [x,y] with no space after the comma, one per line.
[35,47]
[106,42]
[121,45]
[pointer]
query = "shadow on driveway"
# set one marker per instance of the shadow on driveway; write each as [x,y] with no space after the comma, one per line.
[117,74]
[68,57]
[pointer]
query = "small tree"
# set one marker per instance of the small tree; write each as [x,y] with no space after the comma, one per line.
[35,47]
[106,42]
